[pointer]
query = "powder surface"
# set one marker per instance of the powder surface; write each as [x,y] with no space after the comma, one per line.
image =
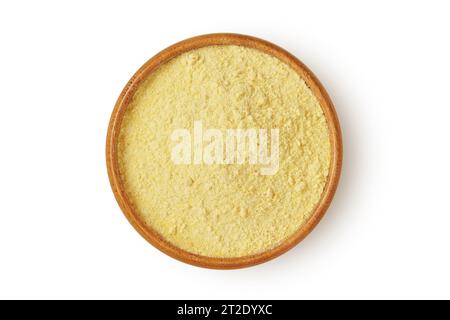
[224,210]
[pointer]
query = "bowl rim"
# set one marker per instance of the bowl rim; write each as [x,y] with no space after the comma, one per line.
[212,40]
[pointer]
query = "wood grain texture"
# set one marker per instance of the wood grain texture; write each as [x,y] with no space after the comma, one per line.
[198,42]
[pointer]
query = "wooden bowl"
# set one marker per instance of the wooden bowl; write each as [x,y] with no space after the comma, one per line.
[202,41]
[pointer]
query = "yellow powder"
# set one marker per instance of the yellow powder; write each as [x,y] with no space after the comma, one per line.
[224,210]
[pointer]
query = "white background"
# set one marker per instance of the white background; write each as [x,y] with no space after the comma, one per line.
[386,66]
